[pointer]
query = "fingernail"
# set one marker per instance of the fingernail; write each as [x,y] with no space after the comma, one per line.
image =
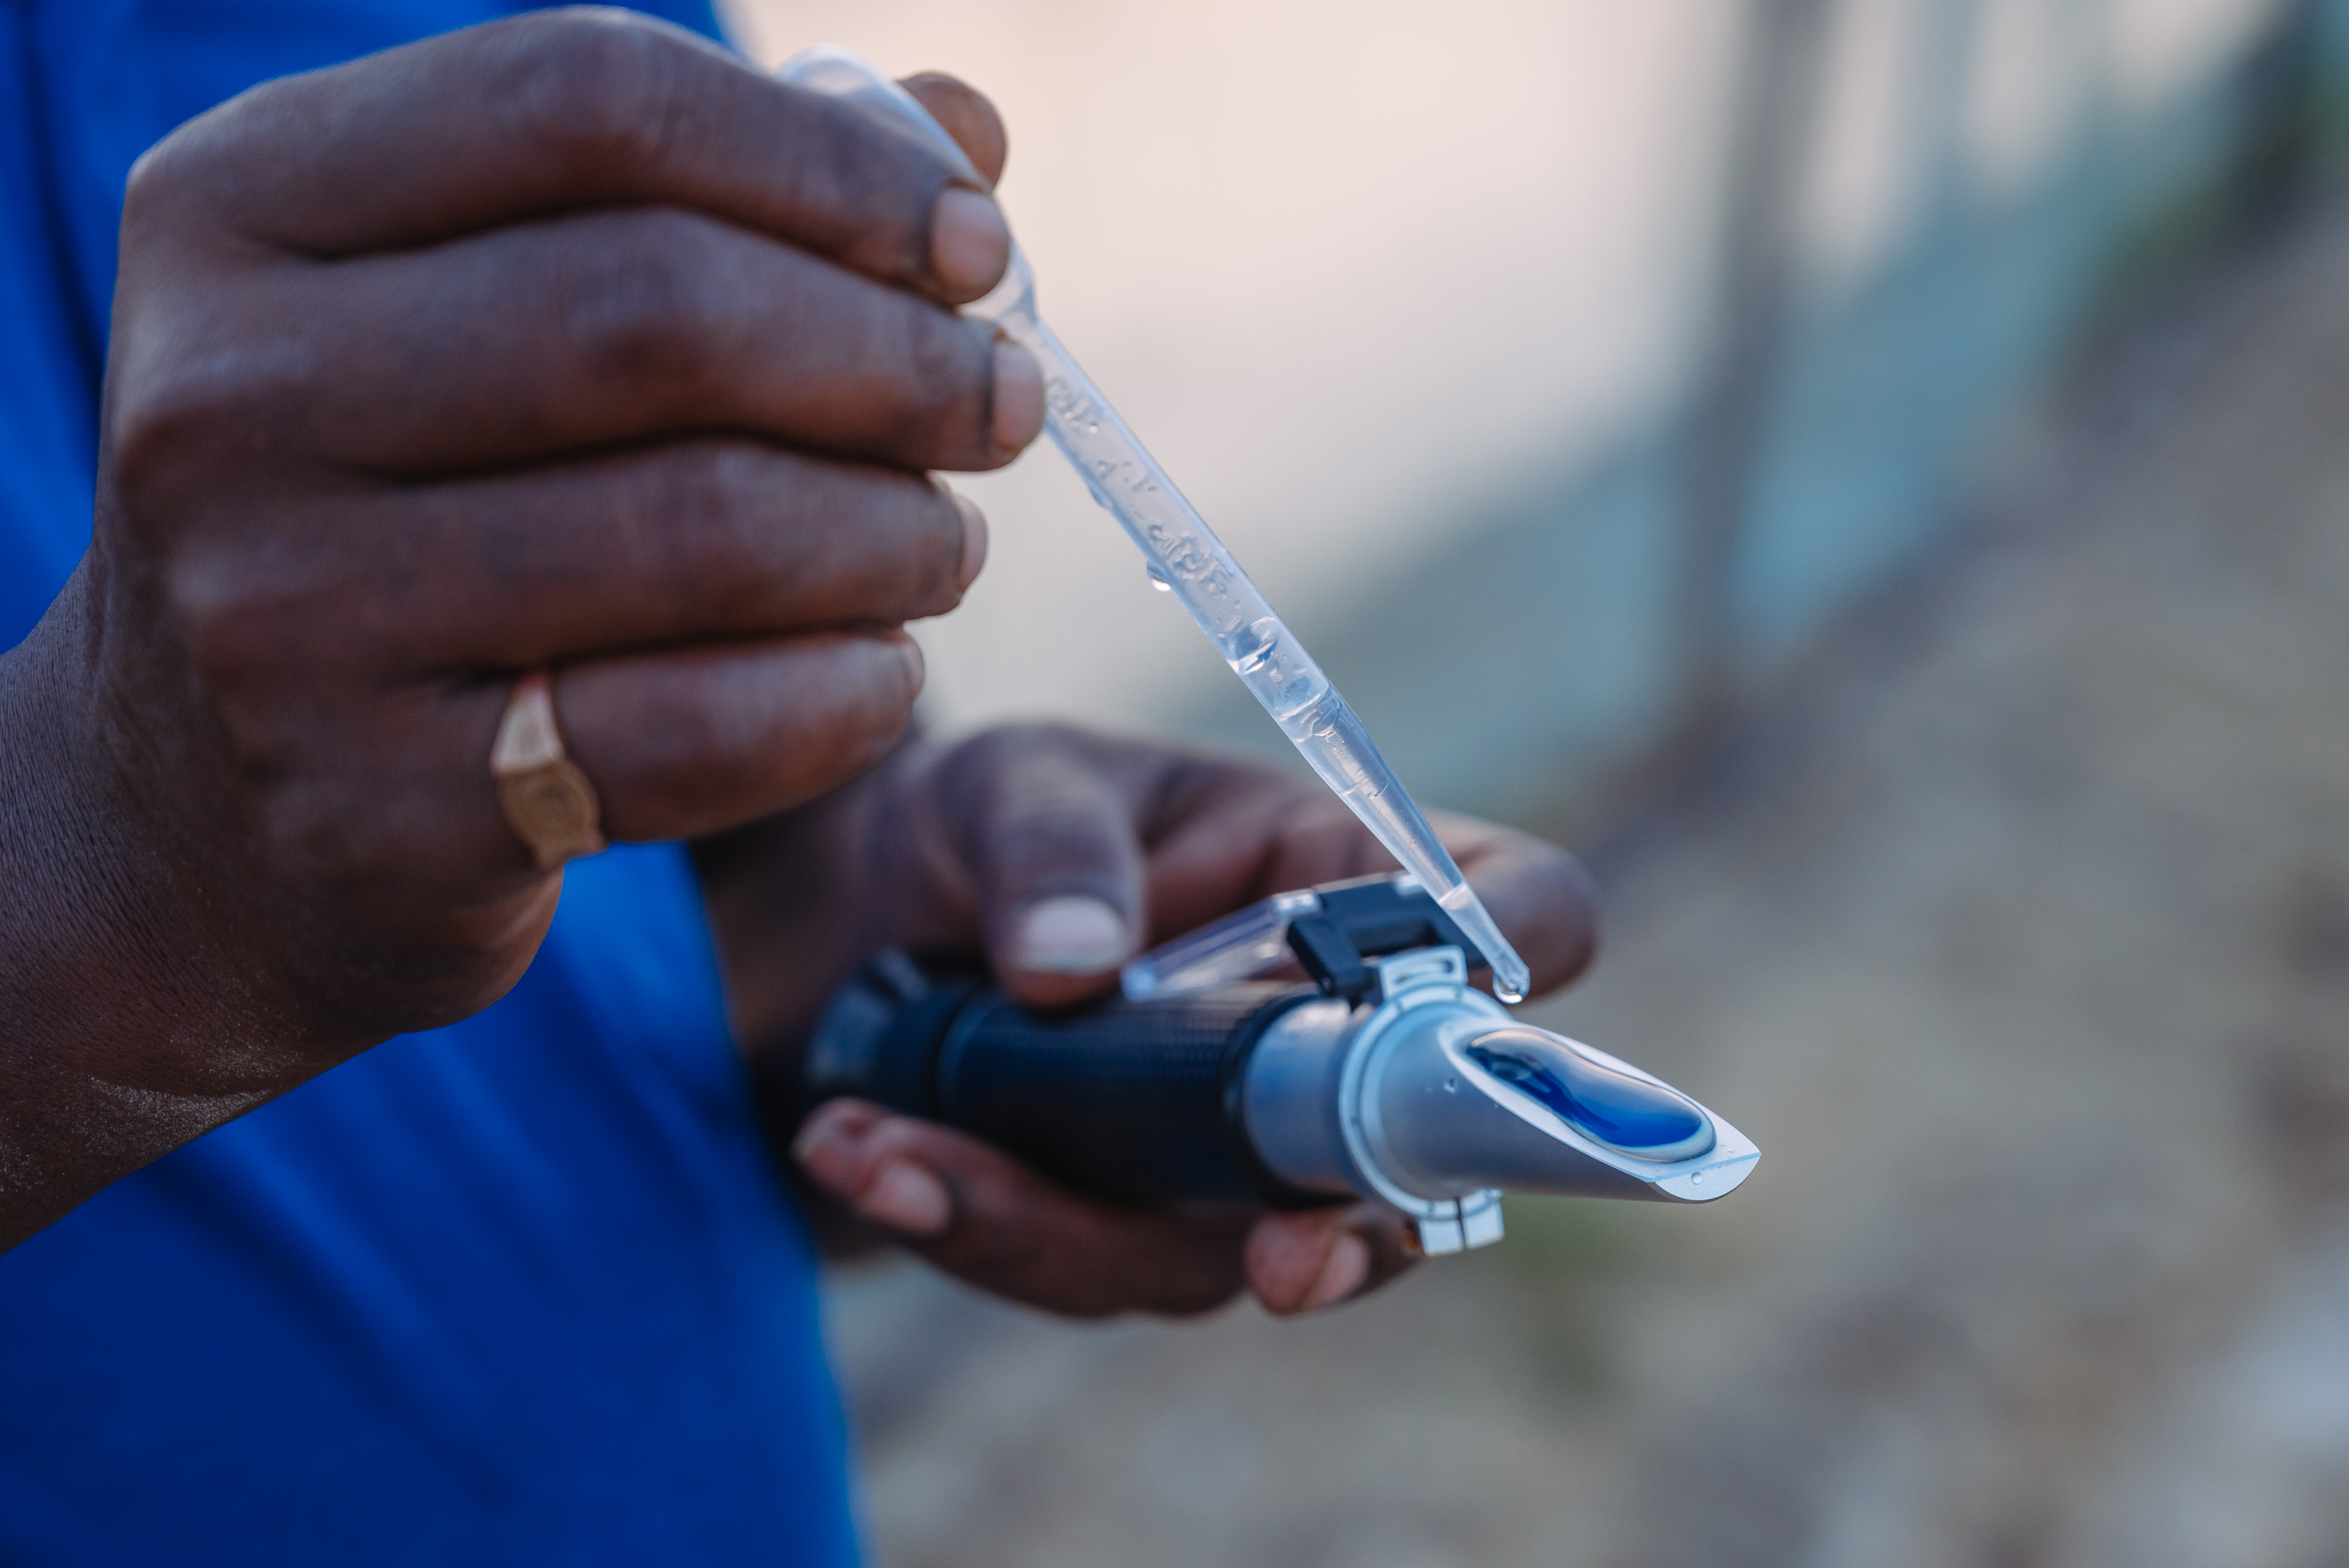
[969,244]
[1071,934]
[973,539]
[916,670]
[1019,396]
[1342,1274]
[905,1197]
[818,1143]
[830,1128]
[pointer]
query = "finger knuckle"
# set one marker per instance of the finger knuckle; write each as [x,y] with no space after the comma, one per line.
[798,538]
[230,611]
[148,189]
[709,511]
[157,443]
[158,421]
[911,567]
[599,89]
[641,307]
[179,408]
[722,494]
[240,668]
[193,164]
[865,192]
[944,365]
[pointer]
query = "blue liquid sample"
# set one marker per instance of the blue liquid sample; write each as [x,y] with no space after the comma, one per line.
[1605,1105]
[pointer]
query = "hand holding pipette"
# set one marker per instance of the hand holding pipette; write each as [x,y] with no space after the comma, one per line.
[1184,555]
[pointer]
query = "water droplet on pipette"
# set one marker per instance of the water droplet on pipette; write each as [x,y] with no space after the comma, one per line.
[1509,994]
[1158,580]
[1256,645]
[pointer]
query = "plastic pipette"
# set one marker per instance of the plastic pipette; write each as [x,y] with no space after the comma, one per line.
[1186,557]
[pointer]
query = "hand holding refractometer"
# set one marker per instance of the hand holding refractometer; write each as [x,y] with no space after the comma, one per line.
[1388,1078]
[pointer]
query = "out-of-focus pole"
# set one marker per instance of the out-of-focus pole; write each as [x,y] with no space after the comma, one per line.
[1779,79]
[2281,108]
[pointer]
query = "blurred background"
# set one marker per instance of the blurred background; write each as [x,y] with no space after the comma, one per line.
[1873,476]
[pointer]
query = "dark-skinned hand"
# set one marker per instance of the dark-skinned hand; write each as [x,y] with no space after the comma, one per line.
[1057,854]
[568,341]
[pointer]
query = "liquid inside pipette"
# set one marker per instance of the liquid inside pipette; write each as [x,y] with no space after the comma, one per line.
[1187,559]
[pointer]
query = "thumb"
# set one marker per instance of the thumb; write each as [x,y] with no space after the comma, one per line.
[1048,833]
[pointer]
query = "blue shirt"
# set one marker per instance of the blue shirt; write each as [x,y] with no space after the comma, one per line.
[524,1290]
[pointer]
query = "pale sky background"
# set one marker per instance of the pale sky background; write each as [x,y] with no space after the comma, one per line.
[1345,263]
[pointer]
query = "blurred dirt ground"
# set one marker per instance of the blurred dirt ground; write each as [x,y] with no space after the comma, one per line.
[2015,929]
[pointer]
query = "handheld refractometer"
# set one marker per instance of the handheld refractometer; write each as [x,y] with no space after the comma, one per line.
[1389,1078]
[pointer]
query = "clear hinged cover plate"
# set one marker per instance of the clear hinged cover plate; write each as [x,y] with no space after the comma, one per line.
[1222,952]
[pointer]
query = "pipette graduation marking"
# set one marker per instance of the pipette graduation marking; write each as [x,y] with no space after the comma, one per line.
[1186,557]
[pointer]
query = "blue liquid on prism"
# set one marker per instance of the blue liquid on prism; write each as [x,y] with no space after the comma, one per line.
[1629,1114]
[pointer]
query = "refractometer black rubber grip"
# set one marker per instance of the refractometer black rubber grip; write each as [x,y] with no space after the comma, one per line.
[1135,1101]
